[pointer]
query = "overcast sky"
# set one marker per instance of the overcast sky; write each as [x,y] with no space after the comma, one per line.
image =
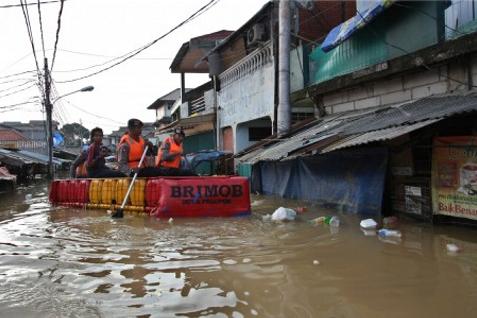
[103,29]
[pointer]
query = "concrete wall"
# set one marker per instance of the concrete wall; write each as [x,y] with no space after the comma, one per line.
[248,98]
[296,69]
[242,133]
[403,88]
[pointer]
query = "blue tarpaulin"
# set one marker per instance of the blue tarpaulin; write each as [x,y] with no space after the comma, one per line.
[58,139]
[342,32]
[352,179]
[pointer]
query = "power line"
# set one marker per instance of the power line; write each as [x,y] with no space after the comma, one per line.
[16,80]
[133,53]
[94,115]
[27,4]
[41,29]
[18,104]
[30,35]
[410,53]
[57,34]
[101,55]
[18,91]
[16,74]
[16,86]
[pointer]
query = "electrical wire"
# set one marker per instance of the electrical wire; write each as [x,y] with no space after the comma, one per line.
[133,53]
[410,53]
[428,15]
[30,35]
[17,74]
[18,104]
[27,4]
[41,29]
[94,115]
[17,80]
[18,91]
[110,56]
[57,34]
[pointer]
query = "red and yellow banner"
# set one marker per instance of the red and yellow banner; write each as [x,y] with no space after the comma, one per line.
[454,176]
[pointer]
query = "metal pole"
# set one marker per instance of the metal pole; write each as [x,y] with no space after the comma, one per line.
[284,108]
[218,143]
[49,109]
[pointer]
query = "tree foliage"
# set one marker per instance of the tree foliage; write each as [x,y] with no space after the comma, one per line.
[74,133]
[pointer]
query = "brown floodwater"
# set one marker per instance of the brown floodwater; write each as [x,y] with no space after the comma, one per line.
[57,262]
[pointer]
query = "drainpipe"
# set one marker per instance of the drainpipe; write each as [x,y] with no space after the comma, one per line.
[183,92]
[284,108]
[218,142]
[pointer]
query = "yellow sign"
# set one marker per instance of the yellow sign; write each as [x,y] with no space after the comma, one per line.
[454,176]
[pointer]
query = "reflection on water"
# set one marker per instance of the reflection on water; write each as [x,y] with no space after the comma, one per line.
[57,262]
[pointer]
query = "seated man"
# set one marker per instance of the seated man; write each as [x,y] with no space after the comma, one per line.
[95,162]
[169,155]
[131,148]
[78,167]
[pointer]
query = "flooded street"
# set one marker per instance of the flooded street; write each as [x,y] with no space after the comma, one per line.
[57,262]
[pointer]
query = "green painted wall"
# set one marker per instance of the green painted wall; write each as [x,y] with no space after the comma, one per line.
[204,141]
[394,33]
[195,143]
[244,170]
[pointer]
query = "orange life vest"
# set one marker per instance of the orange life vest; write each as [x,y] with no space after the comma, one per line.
[136,148]
[81,170]
[176,162]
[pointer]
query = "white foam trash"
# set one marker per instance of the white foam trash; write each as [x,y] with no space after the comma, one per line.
[368,224]
[452,248]
[284,214]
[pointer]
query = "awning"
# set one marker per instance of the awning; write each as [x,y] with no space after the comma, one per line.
[343,31]
[378,135]
[363,127]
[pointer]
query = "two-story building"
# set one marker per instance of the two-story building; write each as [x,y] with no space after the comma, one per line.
[395,90]
[245,67]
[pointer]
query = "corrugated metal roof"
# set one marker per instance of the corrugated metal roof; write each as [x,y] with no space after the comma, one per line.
[362,127]
[377,135]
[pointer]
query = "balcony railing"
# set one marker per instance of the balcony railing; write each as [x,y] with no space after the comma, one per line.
[247,65]
[197,105]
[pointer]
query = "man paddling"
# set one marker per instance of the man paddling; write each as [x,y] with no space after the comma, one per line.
[131,147]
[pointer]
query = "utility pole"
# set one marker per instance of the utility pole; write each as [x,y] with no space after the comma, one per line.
[49,124]
[284,108]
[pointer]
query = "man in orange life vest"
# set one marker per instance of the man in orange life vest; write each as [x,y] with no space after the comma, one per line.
[169,155]
[131,148]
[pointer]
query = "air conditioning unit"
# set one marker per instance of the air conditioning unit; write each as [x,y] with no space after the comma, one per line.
[256,34]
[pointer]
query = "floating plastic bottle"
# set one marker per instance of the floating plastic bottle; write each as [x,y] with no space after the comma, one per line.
[334,221]
[318,220]
[389,233]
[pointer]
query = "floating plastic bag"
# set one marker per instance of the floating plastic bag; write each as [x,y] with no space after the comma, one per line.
[283,214]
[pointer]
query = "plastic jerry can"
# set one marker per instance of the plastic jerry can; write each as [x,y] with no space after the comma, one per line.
[137,193]
[108,191]
[122,186]
[95,191]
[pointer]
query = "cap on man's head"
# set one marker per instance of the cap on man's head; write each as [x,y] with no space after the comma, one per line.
[179,131]
[134,123]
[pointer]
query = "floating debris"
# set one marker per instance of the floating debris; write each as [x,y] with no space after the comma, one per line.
[368,224]
[284,214]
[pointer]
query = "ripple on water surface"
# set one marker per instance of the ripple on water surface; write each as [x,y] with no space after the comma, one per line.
[78,263]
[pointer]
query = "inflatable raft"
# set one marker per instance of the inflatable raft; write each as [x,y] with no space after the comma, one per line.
[220,196]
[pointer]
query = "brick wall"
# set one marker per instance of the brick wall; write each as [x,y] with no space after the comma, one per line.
[403,88]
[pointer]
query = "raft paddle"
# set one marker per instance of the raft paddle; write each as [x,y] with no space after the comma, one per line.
[119,213]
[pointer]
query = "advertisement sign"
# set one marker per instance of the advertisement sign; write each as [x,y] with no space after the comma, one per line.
[454,176]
